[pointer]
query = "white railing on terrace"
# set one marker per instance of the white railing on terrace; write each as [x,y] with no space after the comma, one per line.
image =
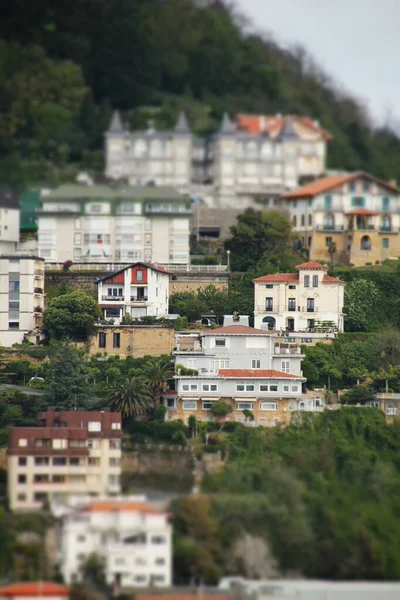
[108,266]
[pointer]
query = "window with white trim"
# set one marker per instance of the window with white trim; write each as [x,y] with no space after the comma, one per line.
[244,405]
[207,404]
[256,363]
[295,388]
[94,426]
[115,425]
[245,387]
[191,363]
[219,363]
[22,443]
[220,342]
[285,366]
[268,406]
[192,387]
[210,387]
[189,405]
[392,410]
[58,444]
[273,387]
[286,388]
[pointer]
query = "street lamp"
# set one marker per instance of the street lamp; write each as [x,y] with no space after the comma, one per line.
[228,255]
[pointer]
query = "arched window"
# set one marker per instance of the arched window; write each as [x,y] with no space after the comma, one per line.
[271,323]
[365,243]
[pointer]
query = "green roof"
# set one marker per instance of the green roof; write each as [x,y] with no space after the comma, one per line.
[98,192]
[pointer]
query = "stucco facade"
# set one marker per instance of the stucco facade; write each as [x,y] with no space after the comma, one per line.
[132,340]
[308,301]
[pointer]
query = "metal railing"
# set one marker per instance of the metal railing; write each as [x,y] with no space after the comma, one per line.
[114,298]
[139,298]
[117,266]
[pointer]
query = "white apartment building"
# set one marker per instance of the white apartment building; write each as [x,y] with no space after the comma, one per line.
[242,366]
[9,220]
[309,300]
[133,539]
[252,159]
[140,290]
[70,453]
[21,298]
[99,223]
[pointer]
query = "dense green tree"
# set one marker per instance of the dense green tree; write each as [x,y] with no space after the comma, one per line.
[67,379]
[131,397]
[70,316]
[361,299]
[156,372]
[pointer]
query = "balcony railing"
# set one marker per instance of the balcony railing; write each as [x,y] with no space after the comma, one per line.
[114,298]
[38,309]
[139,298]
[269,308]
[309,309]
[330,227]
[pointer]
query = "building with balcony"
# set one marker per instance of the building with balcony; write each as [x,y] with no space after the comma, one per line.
[131,536]
[308,301]
[21,298]
[248,368]
[350,218]
[139,290]
[249,161]
[119,223]
[69,453]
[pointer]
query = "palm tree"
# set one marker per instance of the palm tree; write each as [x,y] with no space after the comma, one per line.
[156,372]
[131,397]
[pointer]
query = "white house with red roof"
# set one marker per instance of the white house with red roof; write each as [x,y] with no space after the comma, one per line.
[140,290]
[241,365]
[307,301]
[130,535]
[351,218]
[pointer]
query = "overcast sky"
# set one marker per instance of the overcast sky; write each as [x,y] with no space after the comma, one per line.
[357,42]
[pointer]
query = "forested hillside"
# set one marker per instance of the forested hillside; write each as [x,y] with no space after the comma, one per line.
[63,67]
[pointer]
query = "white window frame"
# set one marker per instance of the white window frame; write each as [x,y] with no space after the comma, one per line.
[285,364]
[207,402]
[255,363]
[22,442]
[392,411]
[115,425]
[295,388]
[221,344]
[268,406]
[249,405]
[190,387]
[191,363]
[94,426]
[193,404]
[263,385]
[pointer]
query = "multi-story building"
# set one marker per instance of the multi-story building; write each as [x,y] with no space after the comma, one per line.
[9,220]
[69,453]
[307,301]
[245,367]
[131,536]
[351,218]
[99,223]
[140,290]
[21,298]
[252,160]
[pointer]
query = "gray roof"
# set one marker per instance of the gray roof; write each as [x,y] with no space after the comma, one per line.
[111,192]
[8,198]
[182,125]
[116,125]
[288,131]
[227,127]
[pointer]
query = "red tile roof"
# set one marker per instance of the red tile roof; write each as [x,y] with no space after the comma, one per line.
[236,330]
[256,373]
[143,264]
[262,124]
[312,265]
[34,589]
[278,278]
[324,184]
[110,505]
[363,212]
[329,279]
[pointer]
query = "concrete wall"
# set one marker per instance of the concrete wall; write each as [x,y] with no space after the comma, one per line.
[135,340]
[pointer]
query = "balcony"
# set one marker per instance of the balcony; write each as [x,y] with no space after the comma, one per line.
[38,309]
[113,298]
[388,229]
[309,309]
[330,228]
[269,308]
[38,290]
[139,298]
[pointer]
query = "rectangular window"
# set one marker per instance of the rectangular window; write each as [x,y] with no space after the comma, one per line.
[273,387]
[115,425]
[102,340]
[21,497]
[41,461]
[77,253]
[263,387]
[139,275]
[207,405]
[286,388]
[250,387]
[292,287]
[310,220]
[22,461]
[240,387]
[268,406]
[59,461]
[315,281]
[186,387]
[40,497]
[365,186]
[94,426]
[269,304]
[306,281]
[269,286]
[93,461]
[285,366]
[328,202]
[22,443]
[310,305]
[385,204]
[256,363]
[113,462]
[328,241]
[189,405]
[116,340]
[209,387]
[244,405]
[291,304]
[295,388]
[114,444]
[385,243]
[41,478]
[21,478]
[60,444]
[191,363]
[220,342]
[77,239]
[13,286]
[358,202]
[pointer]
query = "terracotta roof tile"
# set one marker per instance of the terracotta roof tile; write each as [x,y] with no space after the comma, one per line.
[278,278]
[256,373]
[329,279]
[236,330]
[362,212]
[34,589]
[312,265]
[319,186]
[268,124]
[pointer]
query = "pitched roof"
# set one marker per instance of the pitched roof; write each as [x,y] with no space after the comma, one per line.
[256,373]
[227,127]
[273,125]
[114,505]
[80,193]
[288,131]
[142,264]
[278,278]
[116,124]
[236,330]
[329,279]
[34,589]
[182,125]
[312,265]
[362,212]
[324,184]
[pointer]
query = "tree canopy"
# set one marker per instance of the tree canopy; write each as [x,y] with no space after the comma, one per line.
[71,316]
